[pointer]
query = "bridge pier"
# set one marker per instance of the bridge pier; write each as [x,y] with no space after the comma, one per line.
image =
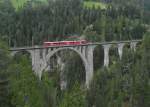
[133,45]
[89,65]
[120,49]
[63,81]
[106,54]
[36,62]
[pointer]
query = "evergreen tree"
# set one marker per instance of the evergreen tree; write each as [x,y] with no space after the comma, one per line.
[74,97]
[5,61]
[26,90]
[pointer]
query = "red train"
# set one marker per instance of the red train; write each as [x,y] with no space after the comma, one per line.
[65,43]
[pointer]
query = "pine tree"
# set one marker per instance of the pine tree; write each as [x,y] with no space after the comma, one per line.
[26,89]
[4,75]
[74,97]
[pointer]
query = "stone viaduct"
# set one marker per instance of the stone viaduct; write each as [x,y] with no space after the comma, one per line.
[41,55]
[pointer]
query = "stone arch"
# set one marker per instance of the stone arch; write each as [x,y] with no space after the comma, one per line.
[77,50]
[27,52]
[50,54]
[13,53]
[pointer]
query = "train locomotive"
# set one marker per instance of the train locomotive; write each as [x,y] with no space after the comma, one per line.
[65,43]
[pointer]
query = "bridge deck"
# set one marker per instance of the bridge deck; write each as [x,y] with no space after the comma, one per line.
[95,43]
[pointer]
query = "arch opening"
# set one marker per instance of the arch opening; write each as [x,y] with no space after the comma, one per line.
[114,54]
[68,65]
[22,54]
[98,57]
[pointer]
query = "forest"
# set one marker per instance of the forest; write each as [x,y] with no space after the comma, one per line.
[125,83]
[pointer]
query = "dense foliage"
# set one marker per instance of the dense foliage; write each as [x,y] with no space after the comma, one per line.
[4,75]
[125,83]
[61,19]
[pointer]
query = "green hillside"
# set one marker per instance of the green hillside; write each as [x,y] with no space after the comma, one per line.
[91,4]
[17,4]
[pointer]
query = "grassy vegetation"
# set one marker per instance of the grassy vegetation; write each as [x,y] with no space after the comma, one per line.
[18,4]
[96,5]
[1,1]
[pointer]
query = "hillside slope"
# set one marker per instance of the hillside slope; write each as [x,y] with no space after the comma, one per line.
[17,4]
